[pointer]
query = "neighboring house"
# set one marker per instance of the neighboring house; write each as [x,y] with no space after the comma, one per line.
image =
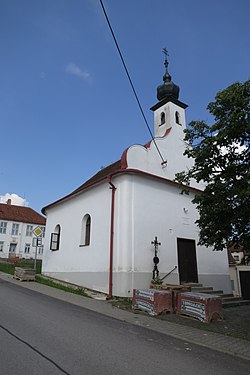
[239,265]
[99,236]
[16,226]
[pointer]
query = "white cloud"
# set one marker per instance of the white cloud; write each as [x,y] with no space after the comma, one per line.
[73,69]
[15,199]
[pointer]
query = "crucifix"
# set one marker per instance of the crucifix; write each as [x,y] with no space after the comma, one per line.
[156,260]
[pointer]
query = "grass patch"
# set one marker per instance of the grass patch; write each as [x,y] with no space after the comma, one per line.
[122,303]
[8,267]
[54,284]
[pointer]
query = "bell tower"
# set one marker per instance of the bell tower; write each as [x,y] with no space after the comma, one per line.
[169,111]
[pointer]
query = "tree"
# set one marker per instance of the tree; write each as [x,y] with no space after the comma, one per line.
[222,160]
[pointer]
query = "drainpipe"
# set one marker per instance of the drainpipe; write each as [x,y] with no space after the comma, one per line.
[113,188]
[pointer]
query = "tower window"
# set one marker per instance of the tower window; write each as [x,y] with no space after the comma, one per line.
[163,119]
[177,118]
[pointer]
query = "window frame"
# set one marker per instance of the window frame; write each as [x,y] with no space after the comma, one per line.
[162,118]
[55,238]
[14,232]
[29,229]
[27,248]
[178,118]
[85,230]
[3,227]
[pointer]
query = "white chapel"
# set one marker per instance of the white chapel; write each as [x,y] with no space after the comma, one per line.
[99,236]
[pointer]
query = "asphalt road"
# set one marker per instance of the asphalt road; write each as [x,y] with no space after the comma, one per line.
[43,335]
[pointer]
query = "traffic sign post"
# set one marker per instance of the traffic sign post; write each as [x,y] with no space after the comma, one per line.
[37,241]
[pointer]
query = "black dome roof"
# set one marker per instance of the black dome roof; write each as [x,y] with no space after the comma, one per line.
[168,88]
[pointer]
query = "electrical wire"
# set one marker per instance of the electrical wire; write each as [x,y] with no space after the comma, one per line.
[130,81]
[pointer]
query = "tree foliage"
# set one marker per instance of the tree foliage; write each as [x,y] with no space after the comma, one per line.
[222,160]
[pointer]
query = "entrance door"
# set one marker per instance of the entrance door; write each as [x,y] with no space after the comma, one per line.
[245,284]
[187,261]
[12,250]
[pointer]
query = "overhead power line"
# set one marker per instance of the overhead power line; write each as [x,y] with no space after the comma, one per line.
[130,81]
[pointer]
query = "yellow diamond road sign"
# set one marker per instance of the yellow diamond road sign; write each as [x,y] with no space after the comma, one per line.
[37,231]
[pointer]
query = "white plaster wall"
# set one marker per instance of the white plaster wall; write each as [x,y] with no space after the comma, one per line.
[144,208]
[21,239]
[159,211]
[169,109]
[76,263]
[171,147]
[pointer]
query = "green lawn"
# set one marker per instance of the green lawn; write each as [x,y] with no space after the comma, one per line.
[9,267]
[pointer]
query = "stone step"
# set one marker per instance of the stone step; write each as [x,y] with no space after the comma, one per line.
[222,295]
[236,303]
[201,288]
[231,298]
[207,290]
[193,285]
[228,300]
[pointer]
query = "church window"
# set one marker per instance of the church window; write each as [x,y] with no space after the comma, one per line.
[163,119]
[55,238]
[85,232]
[177,118]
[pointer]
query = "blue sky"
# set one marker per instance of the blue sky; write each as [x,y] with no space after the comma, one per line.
[66,107]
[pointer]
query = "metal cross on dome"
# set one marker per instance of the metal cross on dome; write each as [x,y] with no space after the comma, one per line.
[165,51]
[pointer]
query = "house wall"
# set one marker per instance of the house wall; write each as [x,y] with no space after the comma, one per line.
[169,140]
[20,240]
[86,266]
[144,208]
[235,278]
[151,208]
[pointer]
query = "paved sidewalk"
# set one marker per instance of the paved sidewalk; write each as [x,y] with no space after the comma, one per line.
[215,341]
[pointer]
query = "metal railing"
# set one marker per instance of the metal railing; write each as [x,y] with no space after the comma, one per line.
[164,277]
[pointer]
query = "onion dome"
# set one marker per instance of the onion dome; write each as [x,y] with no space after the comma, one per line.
[168,88]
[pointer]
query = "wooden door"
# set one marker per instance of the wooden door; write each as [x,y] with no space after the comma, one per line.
[187,263]
[245,284]
[12,250]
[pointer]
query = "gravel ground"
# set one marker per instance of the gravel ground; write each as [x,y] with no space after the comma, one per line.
[236,322]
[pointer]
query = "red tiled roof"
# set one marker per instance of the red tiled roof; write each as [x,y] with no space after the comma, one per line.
[20,214]
[100,175]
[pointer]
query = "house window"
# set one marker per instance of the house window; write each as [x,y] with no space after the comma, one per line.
[1,246]
[43,232]
[27,248]
[3,227]
[15,228]
[85,233]
[177,118]
[29,230]
[55,238]
[163,118]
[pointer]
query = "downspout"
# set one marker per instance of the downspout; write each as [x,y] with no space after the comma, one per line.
[111,246]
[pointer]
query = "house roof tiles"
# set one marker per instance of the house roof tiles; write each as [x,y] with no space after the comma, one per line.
[20,214]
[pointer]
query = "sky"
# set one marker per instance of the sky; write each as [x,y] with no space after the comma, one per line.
[66,107]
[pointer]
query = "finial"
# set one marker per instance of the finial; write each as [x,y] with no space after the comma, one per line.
[167,76]
[168,88]
[165,51]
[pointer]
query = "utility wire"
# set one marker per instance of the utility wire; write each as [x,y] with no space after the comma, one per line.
[130,81]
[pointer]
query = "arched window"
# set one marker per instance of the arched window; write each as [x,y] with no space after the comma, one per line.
[177,118]
[85,232]
[55,238]
[163,119]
